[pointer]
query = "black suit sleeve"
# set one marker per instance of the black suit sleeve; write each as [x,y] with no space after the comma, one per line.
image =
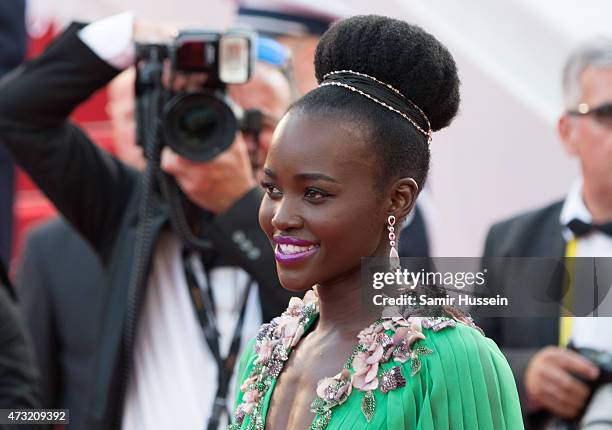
[496,328]
[87,185]
[38,310]
[237,232]
[18,374]
[491,326]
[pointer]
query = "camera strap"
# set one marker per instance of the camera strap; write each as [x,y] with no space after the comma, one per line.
[203,301]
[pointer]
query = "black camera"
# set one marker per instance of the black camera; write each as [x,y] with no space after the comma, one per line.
[601,359]
[197,124]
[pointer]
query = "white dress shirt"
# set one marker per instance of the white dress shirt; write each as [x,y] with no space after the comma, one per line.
[592,332]
[174,380]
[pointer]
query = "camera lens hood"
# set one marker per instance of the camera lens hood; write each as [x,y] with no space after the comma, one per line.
[199,125]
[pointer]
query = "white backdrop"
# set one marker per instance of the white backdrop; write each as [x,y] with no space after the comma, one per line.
[501,155]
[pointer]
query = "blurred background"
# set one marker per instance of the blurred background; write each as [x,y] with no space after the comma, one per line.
[501,155]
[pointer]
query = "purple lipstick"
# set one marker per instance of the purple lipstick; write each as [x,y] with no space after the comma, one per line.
[292,249]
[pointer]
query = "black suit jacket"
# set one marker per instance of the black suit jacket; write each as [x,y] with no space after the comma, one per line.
[19,380]
[533,234]
[12,34]
[414,238]
[100,197]
[12,50]
[62,295]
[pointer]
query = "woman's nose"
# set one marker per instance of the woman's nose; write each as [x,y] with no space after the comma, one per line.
[286,217]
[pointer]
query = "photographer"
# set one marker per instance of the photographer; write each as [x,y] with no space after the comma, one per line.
[554,380]
[164,371]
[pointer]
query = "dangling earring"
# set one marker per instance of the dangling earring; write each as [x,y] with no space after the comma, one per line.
[394,261]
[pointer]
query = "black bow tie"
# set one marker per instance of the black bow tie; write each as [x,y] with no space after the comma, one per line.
[580,228]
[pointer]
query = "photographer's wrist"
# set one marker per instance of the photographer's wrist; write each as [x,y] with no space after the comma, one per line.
[242,213]
[230,200]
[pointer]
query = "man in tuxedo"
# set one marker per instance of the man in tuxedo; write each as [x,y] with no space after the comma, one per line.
[151,356]
[551,378]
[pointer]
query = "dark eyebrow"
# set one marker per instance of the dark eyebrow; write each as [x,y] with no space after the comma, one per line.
[315,177]
[303,176]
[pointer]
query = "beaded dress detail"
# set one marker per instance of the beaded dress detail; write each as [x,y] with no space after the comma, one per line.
[394,340]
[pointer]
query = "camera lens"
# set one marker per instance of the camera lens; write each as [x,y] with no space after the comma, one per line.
[199,126]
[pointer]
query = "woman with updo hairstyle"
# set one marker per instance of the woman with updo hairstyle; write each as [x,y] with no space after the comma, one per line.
[345,167]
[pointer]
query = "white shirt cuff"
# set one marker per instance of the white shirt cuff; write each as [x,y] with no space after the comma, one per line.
[112,39]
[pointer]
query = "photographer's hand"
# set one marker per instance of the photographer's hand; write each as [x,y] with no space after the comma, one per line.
[551,384]
[154,32]
[215,185]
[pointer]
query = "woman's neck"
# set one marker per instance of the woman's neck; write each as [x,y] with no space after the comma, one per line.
[341,307]
[598,200]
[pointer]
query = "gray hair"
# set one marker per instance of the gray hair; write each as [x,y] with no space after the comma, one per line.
[596,52]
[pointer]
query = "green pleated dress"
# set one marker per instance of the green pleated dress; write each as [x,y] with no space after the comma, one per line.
[452,377]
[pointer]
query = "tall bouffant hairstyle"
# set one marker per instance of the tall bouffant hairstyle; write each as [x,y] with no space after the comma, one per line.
[403,56]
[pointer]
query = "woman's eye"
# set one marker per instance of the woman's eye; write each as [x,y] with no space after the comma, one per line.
[314,194]
[271,189]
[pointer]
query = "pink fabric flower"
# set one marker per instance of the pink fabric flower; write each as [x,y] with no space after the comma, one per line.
[364,378]
[393,322]
[366,381]
[407,335]
[360,364]
[251,396]
[368,340]
[286,342]
[247,407]
[287,326]
[415,324]
[323,386]
[295,306]
[266,347]
[368,336]
[298,335]
[335,389]
[403,339]
[239,413]
[311,297]
[376,351]
[247,384]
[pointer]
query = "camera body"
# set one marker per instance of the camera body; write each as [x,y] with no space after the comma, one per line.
[197,124]
[601,359]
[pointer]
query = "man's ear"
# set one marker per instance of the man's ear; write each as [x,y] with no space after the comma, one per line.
[567,129]
[403,195]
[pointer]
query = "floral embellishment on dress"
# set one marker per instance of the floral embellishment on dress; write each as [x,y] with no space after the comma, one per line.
[366,370]
[405,337]
[334,391]
[462,318]
[273,343]
[331,392]
[439,323]
[368,405]
[374,348]
[388,339]
[392,379]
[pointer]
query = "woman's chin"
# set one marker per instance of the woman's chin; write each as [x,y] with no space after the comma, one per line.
[294,285]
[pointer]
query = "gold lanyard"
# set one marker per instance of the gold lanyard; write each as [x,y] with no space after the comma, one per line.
[565,321]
